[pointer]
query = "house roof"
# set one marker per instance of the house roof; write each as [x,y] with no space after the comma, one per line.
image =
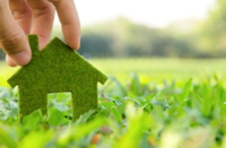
[56,62]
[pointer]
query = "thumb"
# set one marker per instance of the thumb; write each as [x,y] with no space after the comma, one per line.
[12,38]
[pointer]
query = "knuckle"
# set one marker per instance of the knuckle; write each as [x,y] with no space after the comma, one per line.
[11,42]
[18,15]
[43,9]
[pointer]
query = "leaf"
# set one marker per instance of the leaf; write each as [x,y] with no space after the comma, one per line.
[6,140]
[85,117]
[33,120]
[56,117]
[186,90]
[122,91]
[4,93]
[138,123]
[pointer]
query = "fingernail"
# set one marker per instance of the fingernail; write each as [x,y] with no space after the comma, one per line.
[21,58]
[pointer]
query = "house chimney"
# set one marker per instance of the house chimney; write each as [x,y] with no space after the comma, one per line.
[34,44]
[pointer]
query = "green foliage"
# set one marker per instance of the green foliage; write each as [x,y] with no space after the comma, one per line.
[122,38]
[56,68]
[212,31]
[135,114]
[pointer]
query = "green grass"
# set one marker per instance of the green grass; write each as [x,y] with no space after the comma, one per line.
[161,68]
[165,103]
[155,70]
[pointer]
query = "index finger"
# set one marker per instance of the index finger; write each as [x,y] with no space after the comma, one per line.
[12,38]
[69,19]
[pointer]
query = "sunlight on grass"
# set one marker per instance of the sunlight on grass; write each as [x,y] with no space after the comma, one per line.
[155,70]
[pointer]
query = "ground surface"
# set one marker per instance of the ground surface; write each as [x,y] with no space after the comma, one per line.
[145,103]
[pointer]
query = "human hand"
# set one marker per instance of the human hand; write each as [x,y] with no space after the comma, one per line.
[34,17]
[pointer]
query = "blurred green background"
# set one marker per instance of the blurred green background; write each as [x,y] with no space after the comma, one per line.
[182,49]
[121,37]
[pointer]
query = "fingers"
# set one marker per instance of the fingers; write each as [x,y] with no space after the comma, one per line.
[69,19]
[10,62]
[12,38]
[43,16]
[35,17]
[22,14]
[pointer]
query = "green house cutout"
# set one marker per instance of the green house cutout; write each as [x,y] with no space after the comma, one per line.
[57,68]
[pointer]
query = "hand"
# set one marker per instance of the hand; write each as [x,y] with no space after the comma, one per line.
[34,17]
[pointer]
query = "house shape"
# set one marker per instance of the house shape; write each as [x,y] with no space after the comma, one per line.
[57,68]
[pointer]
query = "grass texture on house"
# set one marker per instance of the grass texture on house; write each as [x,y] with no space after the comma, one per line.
[57,68]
